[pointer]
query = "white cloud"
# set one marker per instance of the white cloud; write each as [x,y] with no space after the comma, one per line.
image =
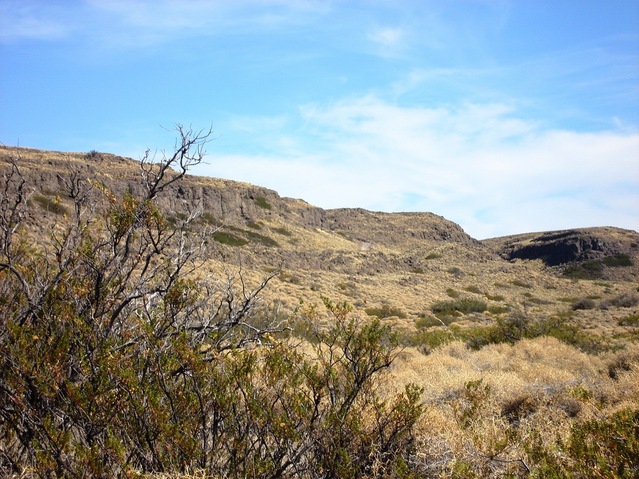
[386,36]
[22,20]
[125,24]
[389,42]
[478,165]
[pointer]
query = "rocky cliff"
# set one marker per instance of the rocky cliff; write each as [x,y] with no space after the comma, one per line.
[568,246]
[230,202]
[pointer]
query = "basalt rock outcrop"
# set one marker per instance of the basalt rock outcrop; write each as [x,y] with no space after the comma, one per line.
[568,246]
[229,202]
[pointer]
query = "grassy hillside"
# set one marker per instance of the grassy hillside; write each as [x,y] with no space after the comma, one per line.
[525,348]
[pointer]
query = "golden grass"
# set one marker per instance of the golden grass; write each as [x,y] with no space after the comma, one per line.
[534,386]
[537,385]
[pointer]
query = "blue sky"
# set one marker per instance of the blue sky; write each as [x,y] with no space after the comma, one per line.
[503,116]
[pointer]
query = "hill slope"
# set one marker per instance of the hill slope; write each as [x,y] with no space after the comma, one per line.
[390,264]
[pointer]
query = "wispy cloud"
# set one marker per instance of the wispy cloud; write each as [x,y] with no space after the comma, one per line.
[143,23]
[388,41]
[28,21]
[387,36]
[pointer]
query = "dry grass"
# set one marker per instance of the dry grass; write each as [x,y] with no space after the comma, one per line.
[483,407]
[536,385]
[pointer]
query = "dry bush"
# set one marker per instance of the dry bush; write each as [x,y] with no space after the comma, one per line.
[584,303]
[118,359]
[484,407]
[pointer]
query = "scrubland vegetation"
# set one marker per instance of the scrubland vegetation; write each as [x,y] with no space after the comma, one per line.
[121,358]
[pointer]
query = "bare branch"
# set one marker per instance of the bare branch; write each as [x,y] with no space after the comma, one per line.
[188,152]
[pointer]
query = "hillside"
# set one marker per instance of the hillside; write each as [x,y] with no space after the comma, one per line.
[399,264]
[403,262]
[516,356]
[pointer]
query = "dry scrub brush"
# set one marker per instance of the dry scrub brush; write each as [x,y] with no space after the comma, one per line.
[117,360]
[516,410]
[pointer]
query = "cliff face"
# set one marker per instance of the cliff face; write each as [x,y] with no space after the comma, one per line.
[569,246]
[231,202]
[239,202]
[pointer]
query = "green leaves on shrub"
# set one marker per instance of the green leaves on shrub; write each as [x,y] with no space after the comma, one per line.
[386,311]
[605,448]
[630,320]
[359,433]
[52,205]
[228,238]
[617,260]
[593,269]
[515,327]
[116,361]
[241,237]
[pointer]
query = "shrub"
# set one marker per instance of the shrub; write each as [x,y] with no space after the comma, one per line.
[630,320]
[246,236]
[347,444]
[494,297]
[262,239]
[620,364]
[516,327]
[584,303]
[534,300]
[116,362]
[617,260]
[455,271]
[471,401]
[283,231]
[625,301]
[452,293]
[517,408]
[52,205]
[592,269]
[228,238]
[427,321]
[427,340]
[463,305]
[604,448]
[473,289]
[385,311]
